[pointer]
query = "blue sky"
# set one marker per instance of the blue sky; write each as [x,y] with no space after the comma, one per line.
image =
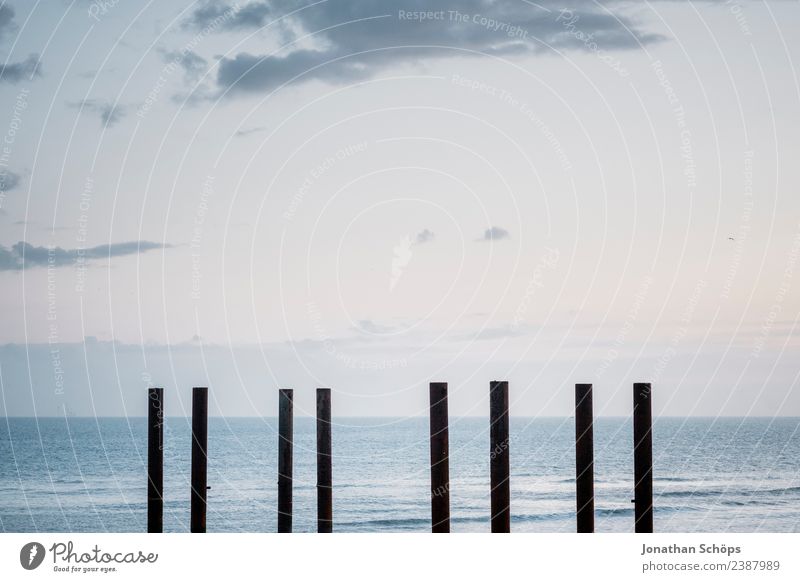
[371,196]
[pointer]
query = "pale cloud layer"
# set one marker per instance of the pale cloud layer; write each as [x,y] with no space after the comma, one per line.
[497,190]
[23,255]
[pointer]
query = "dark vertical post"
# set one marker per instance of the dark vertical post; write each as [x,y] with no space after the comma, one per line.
[155,460]
[643,457]
[584,458]
[499,455]
[285,428]
[199,459]
[440,462]
[324,462]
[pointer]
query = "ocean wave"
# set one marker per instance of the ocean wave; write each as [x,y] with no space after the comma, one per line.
[401,522]
[730,491]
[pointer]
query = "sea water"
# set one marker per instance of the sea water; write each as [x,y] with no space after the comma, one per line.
[89,475]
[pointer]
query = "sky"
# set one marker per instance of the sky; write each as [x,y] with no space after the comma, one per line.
[371,196]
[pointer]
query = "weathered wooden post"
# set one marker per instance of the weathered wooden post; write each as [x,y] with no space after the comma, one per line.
[199,459]
[584,458]
[285,429]
[324,462]
[440,462]
[499,455]
[643,457]
[155,460]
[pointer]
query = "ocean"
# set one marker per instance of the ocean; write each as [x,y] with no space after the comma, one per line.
[89,475]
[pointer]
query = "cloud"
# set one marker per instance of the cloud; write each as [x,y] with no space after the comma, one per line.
[9,180]
[248,131]
[23,255]
[218,15]
[494,333]
[495,233]
[16,72]
[370,327]
[6,20]
[424,236]
[192,64]
[110,113]
[358,41]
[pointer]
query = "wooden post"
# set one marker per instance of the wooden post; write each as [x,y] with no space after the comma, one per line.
[440,462]
[499,455]
[324,462]
[643,457]
[285,428]
[155,460]
[584,458]
[199,459]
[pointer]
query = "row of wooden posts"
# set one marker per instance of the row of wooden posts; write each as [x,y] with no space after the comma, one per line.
[440,469]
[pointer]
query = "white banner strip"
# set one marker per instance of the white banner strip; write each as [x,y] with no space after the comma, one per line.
[401,557]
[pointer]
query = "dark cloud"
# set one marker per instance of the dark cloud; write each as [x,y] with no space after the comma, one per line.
[9,180]
[495,233]
[6,20]
[424,236]
[23,255]
[217,15]
[109,113]
[357,38]
[16,72]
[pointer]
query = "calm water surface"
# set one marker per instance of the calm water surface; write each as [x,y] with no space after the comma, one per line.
[87,475]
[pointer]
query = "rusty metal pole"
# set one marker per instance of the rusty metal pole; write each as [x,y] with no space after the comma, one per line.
[155,460]
[324,462]
[440,462]
[199,459]
[285,441]
[499,455]
[643,457]
[584,458]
